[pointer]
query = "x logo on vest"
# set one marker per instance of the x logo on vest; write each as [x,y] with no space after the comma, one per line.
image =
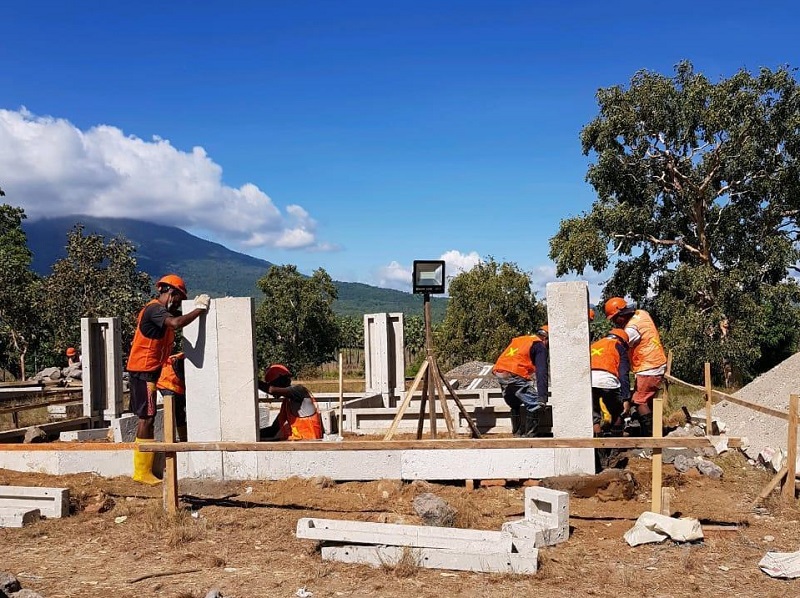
[512,351]
[598,351]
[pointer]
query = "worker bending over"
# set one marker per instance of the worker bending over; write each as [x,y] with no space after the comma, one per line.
[173,382]
[298,418]
[610,384]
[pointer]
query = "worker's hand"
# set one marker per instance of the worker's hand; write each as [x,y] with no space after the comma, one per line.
[202,302]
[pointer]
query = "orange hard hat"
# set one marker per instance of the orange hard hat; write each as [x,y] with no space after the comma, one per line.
[615,306]
[545,329]
[620,334]
[71,351]
[174,281]
[591,314]
[274,372]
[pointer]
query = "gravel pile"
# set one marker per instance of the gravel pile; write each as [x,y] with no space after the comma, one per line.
[771,389]
[470,371]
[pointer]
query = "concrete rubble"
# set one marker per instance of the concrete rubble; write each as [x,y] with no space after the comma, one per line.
[514,549]
[653,528]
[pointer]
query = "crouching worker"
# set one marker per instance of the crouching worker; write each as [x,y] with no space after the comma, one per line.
[298,418]
[610,383]
[173,382]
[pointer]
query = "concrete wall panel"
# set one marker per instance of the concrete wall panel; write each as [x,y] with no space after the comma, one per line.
[477,464]
[202,376]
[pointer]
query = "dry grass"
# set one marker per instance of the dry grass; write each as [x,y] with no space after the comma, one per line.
[406,566]
[178,529]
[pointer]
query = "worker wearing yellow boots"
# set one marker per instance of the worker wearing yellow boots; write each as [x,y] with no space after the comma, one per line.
[152,344]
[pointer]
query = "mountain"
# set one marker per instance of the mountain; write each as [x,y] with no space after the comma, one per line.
[207,267]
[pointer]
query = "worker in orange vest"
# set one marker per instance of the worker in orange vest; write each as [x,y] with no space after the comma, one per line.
[648,360]
[521,371]
[173,382]
[299,417]
[152,345]
[610,385]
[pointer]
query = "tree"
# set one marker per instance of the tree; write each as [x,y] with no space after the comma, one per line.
[295,323]
[698,196]
[351,336]
[19,320]
[489,305]
[95,279]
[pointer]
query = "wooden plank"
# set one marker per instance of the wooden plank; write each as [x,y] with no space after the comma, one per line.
[448,418]
[442,444]
[423,404]
[707,376]
[773,483]
[79,423]
[5,410]
[658,431]
[453,395]
[406,400]
[341,395]
[791,449]
[170,462]
[721,396]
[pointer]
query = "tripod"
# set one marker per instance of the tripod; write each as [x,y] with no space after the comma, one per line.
[433,385]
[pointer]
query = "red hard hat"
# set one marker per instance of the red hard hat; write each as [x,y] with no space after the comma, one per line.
[71,351]
[175,281]
[274,372]
[614,306]
[620,334]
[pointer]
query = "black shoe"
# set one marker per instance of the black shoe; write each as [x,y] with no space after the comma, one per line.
[531,425]
[515,423]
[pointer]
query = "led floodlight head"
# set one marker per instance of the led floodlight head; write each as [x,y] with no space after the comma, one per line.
[429,276]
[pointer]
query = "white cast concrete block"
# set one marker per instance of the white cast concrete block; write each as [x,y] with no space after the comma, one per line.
[124,427]
[30,461]
[550,509]
[81,435]
[14,517]
[466,464]
[431,558]
[201,464]
[106,463]
[240,465]
[203,402]
[525,535]
[337,465]
[51,502]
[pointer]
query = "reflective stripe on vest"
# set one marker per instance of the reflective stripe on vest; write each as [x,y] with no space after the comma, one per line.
[169,380]
[516,357]
[149,354]
[648,352]
[294,427]
[605,356]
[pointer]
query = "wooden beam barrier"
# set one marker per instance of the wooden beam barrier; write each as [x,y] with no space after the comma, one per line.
[721,396]
[791,449]
[442,444]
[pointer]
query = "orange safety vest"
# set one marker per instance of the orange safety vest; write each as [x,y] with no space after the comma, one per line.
[648,352]
[169,380]
[149,354]
[516,357]
[605,356]
[294,427]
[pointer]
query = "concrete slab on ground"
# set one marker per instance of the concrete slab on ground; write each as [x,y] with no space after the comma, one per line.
[51,502]
[13,517]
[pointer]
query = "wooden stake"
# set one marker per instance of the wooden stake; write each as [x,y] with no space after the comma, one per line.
[341,394]
[476,433]
[423,404]
[448,418]
[773,483]
[709,423]
[432,401]
[666,496]
[406,400]
[791,449]
[658,430]
[170,482]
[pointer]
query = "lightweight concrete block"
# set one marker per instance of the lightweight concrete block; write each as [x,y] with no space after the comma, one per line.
[101,367]
[124,427]
[81,435]
[550,509]
[430,558]
[106,463]
[467,464]
[11,517]
[51,502]
[337,465]
[67,411]
[570,372]
[415,536]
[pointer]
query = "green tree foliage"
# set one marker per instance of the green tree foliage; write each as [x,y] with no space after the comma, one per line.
[95,279]
[489,305]
[414,333]
[295,324]
[19,320]
[698,195]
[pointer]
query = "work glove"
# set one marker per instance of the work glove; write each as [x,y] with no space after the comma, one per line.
[202,302]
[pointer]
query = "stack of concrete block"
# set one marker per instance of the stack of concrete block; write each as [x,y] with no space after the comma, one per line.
[514,549]
[22,505]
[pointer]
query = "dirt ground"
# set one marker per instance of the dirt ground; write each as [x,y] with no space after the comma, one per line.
[239,537]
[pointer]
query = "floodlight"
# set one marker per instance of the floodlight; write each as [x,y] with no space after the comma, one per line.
[429,276]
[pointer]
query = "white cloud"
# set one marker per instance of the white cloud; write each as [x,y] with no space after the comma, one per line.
[52,168]
[397,276]
[545,273]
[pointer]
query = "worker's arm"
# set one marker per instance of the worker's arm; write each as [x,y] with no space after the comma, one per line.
[201,303]
[539,359]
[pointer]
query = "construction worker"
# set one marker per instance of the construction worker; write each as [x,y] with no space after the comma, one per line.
[521,371]
[173,382]
[648,360]
[299,417]
[610,384]
[151,347]
[73,357]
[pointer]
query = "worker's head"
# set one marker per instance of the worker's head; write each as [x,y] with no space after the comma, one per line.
[173,286]
[278,375]
[71,352]
[620,334]
[618,311]
[543,333]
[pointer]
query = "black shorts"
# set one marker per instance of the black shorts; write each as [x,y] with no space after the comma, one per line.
[143,393]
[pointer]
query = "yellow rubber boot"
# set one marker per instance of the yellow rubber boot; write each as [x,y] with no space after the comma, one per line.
[143,465]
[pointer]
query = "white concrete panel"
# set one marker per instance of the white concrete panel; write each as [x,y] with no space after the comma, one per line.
[237,369]
[477,464]
[240,466]
[11,517]
[30,461]
[570,372]
[337,465]
[201,464]
[112,337]
[108,464]
[51,502]
[202,376]
[123,428]
[431,558]
[81,435]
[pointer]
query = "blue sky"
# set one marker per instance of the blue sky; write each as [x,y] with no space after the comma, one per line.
[355,136]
